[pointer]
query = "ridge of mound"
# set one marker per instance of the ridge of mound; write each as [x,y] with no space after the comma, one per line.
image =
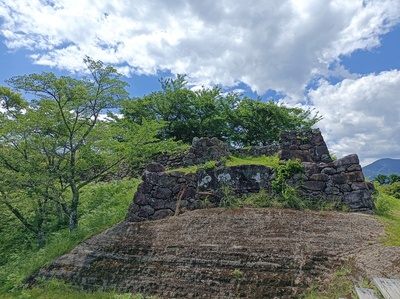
[227,253]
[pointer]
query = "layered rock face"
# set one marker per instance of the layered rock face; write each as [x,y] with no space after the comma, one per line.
[220,253]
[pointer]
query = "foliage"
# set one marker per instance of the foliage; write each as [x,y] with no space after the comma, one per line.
[260,199]
[139,143]
[55,144]
[237,273]
[259,123]
[383,179]
[102,205]
[229,199]
[289,197]
[185,112]
[207,112]
[388,211]
[283,172]
[192,169]
[392,189]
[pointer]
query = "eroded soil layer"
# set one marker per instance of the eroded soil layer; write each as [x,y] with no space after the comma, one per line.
[225,253]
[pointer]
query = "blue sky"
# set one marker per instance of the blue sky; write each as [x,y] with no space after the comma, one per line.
[339,57]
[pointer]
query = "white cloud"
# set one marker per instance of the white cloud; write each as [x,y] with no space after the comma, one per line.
[361,115]
[277,45]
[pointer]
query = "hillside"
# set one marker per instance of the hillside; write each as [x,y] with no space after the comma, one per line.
[384,166]
[229,253]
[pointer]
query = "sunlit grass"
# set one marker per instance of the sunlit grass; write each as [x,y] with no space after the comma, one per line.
[271,161]
[340,286]
[388,211]
[102,206]
[59,289]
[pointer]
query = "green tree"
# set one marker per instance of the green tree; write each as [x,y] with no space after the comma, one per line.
[55,144]
[393,178]
[259,123]
[22,157]
[382,179]
[184,112]
[207,112]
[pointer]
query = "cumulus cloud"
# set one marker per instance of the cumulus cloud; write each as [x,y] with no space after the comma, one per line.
[285,46]
[361,115]
[277,45]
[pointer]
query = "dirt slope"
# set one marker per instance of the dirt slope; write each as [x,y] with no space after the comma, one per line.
[228,253]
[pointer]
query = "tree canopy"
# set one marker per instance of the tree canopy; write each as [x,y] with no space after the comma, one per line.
[53,145]
[208,112]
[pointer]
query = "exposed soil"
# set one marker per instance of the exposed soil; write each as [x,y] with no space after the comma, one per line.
[229,253]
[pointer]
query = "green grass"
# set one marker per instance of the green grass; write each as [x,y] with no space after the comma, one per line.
[102,205]
[271,161]
[193,169]
[388,211]
[58,289]
[339,286]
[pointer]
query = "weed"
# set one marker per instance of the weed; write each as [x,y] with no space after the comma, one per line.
[284,172]
[205,203]
[237,273]
[383,204]
[59,289]
[229,198]
[257,200]
[339,286]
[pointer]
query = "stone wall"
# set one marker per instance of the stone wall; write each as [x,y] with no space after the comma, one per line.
[340,181]
[201,151]
[158,195]
[256,151]
[164,194]
[306,145]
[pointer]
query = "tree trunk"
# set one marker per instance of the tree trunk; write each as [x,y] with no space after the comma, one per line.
[60,216]
[41,237]
[73,210]
[73,219]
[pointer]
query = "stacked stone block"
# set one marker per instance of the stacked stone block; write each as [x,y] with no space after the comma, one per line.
[201,151]
[158,195]
[340,181]
[306,145]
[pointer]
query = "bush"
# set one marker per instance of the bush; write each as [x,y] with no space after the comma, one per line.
[392,190]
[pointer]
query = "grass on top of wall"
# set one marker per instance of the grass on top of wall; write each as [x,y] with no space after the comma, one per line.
[271,161]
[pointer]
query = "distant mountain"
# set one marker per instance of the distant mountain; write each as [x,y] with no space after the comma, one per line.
[382,166]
